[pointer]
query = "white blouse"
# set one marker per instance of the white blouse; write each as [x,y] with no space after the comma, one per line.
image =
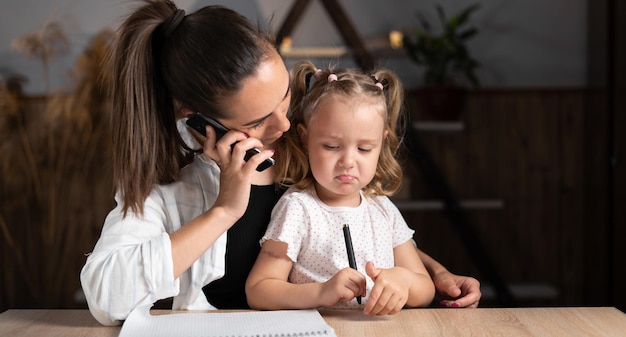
[131,264]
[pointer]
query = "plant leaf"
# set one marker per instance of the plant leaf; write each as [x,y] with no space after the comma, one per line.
[445,57]
[467,34]
[465,14]
[422,20]
[441,13]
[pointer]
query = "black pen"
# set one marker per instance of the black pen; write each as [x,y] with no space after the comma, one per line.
[351,259]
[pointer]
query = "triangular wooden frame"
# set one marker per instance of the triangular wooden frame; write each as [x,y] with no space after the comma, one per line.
[337,14]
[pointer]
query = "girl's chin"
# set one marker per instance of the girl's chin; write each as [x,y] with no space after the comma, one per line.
[344,192]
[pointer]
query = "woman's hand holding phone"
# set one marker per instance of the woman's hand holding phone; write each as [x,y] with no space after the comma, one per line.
[228,151]
[199,121]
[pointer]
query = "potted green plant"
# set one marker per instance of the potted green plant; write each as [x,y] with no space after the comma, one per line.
[449,69]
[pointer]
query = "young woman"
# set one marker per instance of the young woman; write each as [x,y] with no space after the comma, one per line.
[341,170]
[182,227]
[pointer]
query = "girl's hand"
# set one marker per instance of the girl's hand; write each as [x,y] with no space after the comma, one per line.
[457,291]
[345,285]
[391,289]
[236,174]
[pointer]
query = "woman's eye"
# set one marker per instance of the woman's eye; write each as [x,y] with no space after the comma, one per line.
[258,125]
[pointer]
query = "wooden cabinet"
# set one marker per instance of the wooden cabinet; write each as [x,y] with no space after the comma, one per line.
[522,148]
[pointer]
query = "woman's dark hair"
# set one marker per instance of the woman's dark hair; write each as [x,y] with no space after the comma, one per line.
[162,61]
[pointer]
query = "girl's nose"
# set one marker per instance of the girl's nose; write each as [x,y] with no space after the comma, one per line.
[347,160]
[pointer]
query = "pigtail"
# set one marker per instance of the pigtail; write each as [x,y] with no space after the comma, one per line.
[293,164]
[394,96]
[301,77]
[388,177]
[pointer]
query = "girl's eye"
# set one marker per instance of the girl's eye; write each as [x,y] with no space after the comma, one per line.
[330,147]
[364,150]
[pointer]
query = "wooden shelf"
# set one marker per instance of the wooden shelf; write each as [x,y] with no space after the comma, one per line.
[377,48]
[439,126]
[524,291]
[305,52]
[436,205]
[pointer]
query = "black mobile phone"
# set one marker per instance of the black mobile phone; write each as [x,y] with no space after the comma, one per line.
[199,121]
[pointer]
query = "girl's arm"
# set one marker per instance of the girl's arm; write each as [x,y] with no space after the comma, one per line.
[268,288]
[408,283]
[422,289]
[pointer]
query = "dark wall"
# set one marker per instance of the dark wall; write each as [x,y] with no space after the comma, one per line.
[605,153]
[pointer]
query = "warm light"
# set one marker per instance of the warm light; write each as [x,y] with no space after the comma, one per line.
[285,45]
[395,39]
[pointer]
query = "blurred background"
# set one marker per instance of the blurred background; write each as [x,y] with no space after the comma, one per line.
[518,183]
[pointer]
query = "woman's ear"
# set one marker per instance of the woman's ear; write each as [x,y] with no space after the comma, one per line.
[186,112]
[302,132]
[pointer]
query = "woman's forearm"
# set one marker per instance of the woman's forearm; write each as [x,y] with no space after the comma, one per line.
[192,240]
[431,264]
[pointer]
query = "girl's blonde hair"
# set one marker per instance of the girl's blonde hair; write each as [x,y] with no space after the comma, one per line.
[309,86]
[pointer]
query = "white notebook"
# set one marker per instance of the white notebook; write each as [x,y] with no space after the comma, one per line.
[281,323]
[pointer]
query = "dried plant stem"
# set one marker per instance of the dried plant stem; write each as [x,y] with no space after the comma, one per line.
[49,226]
[19,257]
[30,159]
[46,73]
[6,232]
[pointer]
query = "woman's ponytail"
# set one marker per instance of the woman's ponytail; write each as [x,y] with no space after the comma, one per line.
[140,101]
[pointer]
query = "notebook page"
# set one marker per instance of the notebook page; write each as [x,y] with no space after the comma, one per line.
[282,323]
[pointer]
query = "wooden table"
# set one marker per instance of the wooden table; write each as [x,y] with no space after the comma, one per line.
[596,322]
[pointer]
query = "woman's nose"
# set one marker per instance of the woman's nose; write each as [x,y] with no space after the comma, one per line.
[283,123]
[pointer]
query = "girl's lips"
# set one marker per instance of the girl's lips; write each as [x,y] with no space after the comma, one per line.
[346,178]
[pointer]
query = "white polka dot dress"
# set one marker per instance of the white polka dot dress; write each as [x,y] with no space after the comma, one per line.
[313,232]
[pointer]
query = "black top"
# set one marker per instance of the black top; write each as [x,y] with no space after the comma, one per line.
[242,249]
